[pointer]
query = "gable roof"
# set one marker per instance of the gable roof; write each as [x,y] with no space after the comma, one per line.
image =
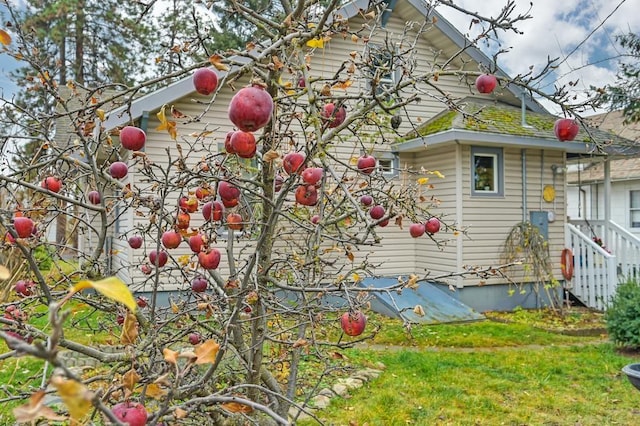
[487,121]
[183,87]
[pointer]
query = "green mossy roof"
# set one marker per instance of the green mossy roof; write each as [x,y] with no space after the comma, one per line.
[491,117]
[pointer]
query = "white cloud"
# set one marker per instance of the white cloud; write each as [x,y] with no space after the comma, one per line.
[581,33]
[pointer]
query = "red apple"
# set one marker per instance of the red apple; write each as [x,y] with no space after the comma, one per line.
[234,221]
[333,117]
[23,226]
[118,170]
[196,242]
[353,323]
[52,183]
[171,239]
[383,223]
[209,259]
[24,287]
[188,204]
[182,220]
[8,238]
[315,219]
[146,269]
[566,129]
[158,258]
[135,241]
[278,180]
[132,138]
[227,143]
[377,212]
[13,313]
[307,195]
[485,83]
[301,82]
[199,284]
[94,197]
[366,164]
[293,162]
[120,318]
[366,200]
[250,109]
[230,203]
[205,81]
[212,210]
[416,230]
[312,175]
[243,144]
[202,192]
[142,301]
[228,191]
[432,225]
[194,338]
[131,413]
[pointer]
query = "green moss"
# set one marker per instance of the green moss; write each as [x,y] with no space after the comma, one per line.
[438,124]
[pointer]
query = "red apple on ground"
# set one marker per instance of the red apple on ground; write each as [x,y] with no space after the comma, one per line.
[131,413]
[377,212]
[132,138]
[13,313]
[196,242]
[366,164]
[353,323]
[52,183]
[234,221]
[432,225]
[228,191]
[293,162]
[250,109]
[171,239]
[194,338]
[566,129]
[366,200]
[416,230]
[312,175]
[118,170]
[24,287]
[243,144]
[333,117]
[188,203]
[205,81]
[209,259]
[23,226]
[199,284]
[158,258]
[307,195]
[94,197]
[135,241]
[485,83]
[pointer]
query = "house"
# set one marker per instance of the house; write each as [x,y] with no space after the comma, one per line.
[498,157]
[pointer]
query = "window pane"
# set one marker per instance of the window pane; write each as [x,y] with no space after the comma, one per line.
[484,172]
[635,218]
[635,199]
[385,165]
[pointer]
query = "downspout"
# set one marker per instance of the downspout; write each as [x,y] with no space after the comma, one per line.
[607,200]
[144,121]
[523,156]
[386,14]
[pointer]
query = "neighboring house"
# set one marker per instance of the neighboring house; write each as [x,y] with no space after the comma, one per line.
[497,164]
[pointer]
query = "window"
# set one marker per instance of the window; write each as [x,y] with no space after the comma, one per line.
[381,70]
[634,209]
[387,163]
[487,171]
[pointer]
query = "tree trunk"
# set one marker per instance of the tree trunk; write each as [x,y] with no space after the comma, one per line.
[79,59]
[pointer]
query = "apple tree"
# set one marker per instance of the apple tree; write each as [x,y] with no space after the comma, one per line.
[276,214]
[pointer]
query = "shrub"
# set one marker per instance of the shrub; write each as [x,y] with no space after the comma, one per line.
[623,315]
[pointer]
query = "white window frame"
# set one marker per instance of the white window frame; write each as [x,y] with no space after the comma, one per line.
[633,209]
[497,157]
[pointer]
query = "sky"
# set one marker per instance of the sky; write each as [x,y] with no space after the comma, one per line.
[580,32]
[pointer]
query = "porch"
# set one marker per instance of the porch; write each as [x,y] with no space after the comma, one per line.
[598,268]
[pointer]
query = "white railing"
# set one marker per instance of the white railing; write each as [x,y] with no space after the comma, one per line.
[595,271]
[618,241]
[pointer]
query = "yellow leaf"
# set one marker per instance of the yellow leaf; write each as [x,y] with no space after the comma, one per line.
[438,174]
[5,274]
[155,391]
[216,61]
[113,288]
[277,62]
[162,118]
[269,156]
[100,114]
[236,407]
[75,395]
[5,38]
[170,356]
[423,180]
[356,277]
[180,413]
[344,85]
[129,330]
[207,352]
[130,379]
[35,409]
[316,43]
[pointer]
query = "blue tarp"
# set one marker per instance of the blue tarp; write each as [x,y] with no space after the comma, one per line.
[438,306]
